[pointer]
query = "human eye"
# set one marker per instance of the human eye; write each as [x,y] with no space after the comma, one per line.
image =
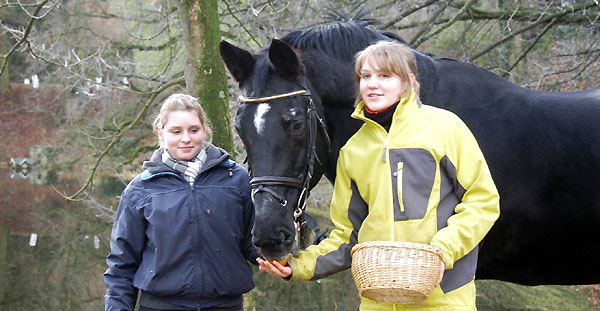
[365,76]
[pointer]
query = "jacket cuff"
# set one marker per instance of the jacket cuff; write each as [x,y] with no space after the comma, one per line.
[296,275]
[446,258]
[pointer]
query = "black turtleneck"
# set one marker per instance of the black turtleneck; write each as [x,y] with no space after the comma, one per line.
[384,118]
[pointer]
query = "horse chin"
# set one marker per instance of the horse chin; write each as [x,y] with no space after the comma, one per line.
[268,255]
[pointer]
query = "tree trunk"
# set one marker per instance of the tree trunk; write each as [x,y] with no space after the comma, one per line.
[3,262]
[4,78]
[205,75]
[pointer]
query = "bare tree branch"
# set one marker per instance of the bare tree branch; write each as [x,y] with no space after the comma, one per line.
[533,25]
[408,12]
[526,51]
[588,16]
[90,181]
[456,17]
[228,4]
[23,39]
[523,14]
[17,4]
[431,20]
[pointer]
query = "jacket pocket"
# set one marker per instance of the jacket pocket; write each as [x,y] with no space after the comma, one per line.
[413,174]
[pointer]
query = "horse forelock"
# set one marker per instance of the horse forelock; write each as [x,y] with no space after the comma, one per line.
[261,74]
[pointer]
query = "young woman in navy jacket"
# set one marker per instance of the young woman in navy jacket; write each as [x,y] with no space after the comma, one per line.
[180,221]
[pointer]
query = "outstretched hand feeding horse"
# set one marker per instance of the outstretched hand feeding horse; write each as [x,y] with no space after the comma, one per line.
[543,149]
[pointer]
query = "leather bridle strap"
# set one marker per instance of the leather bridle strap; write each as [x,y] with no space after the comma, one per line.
[268,98]
[261,183]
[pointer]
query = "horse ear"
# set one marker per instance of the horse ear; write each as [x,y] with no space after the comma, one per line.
[284,59]
[239,62]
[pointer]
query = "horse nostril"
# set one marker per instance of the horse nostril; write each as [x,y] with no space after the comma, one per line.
[275,241]
[272,241]
[287,238]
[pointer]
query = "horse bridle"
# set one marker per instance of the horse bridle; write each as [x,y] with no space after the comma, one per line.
[262,183]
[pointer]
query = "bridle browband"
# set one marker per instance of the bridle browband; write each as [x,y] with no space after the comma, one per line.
[262,183]
[268,98]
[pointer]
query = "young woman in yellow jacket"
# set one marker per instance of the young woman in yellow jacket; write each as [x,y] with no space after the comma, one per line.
[411,173]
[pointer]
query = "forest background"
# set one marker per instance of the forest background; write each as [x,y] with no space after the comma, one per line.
[83,78]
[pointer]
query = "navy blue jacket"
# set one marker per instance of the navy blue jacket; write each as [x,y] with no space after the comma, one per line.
[189,245]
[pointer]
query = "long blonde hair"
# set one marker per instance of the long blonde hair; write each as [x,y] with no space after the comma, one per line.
[181,102]
[391,57]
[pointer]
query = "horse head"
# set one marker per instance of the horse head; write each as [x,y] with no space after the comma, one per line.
[279,121]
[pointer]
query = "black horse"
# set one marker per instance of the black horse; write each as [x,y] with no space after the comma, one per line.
[543,148]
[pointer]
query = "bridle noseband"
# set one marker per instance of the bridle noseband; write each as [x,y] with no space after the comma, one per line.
[262,183]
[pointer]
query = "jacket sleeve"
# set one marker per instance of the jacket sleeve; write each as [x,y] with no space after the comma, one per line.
[248,249]
[479,206]
[126,246]
[332,255]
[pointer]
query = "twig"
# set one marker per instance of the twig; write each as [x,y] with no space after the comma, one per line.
[445,25]
[408,12]
[557,16]
[24,37]
[240,22]
[526,51]
[90,181]
[429,23]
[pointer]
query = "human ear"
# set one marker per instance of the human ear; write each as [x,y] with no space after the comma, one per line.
[159,133]
[412,78]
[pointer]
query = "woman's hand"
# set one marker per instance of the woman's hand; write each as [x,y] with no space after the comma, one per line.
[274,268]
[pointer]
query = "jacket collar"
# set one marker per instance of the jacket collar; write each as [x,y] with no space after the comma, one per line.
[406,107]
[215,156]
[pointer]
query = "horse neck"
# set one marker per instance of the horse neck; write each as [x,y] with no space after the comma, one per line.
[427,76]
[332,78]
[335,104]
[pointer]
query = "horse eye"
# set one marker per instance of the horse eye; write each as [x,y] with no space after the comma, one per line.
[298,125]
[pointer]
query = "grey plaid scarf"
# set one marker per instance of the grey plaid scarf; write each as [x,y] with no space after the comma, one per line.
[188,169]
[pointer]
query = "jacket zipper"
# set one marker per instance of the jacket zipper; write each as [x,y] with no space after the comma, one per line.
[197,228]
[385,139]
[399,172]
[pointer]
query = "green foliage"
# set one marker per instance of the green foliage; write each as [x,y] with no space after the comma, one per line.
[503,296]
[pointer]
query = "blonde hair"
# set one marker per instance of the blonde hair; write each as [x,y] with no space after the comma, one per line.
[392,58]
[181,102]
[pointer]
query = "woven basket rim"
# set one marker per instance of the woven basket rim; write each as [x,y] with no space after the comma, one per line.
[394,244]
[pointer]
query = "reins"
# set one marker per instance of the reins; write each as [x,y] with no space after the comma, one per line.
[262,183]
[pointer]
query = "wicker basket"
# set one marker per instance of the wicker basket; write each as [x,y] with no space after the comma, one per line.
[395,272]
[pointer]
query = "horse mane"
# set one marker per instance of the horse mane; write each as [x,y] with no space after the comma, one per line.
[341,39]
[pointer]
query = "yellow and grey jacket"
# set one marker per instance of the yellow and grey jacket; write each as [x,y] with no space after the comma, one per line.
[426,181]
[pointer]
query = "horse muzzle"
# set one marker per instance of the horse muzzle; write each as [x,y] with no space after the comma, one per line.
[275,200]
[273,244]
